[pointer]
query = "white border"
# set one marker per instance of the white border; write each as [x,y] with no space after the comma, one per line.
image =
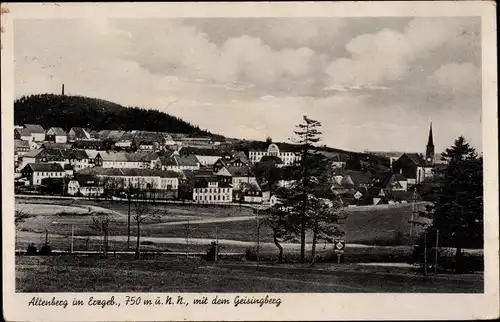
[294,306]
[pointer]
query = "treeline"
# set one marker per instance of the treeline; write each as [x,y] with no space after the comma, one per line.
[50,110]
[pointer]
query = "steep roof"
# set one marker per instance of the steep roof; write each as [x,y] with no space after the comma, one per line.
[34,128]
[45,167]
[113,156]
[239,171]
[23,132]
[57,131]
[203,182]
[21,144]
[141,156]
[80,133]
[359,177]
[33,153]
[88,180]
[416,158]
[188,160]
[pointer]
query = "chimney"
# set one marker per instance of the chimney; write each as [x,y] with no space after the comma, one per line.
[62,92]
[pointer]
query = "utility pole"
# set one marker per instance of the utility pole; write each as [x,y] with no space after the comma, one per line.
[413,210]
[128,219]
[258,239]
[425,252]
[46,237]
[437,251]
[72,235]
[216,243]
[187,239]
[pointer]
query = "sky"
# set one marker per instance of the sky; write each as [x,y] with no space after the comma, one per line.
[373,83]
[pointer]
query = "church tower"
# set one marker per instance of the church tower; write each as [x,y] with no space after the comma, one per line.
[429,151]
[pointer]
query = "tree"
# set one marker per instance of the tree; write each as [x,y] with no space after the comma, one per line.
[306,134]
[278,219]
[100,223]
[457,211]
[143,213]
[269,140]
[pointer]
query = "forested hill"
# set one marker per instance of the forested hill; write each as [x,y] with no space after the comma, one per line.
[51,110]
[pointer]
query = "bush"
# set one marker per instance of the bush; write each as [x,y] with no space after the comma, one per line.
[45,250]
[213,248]
[31,250]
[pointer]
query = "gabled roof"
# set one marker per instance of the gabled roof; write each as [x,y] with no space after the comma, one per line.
[201,152]
[113,156]
[21,144]
[115,135]
[188,160]
[80,133]
[88,180]
[416,158]
[85,144]
[238,171]
[23,132]
[32,153]
[400,177]
[141,156]
[45,167]
[34,128]
[359,177]
[203,182]
[103,134]
[56,131]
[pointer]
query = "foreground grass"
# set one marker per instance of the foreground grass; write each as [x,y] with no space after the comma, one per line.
[178,274]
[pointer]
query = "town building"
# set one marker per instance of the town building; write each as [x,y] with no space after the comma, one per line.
[179,163]
[143,179]
[86,185]
[22,134]
[78,133]
[37,132]
[36,172]
[211,190]
[57,135]
[288,155]
[238,175]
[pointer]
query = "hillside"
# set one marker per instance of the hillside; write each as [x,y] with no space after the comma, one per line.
[51,110]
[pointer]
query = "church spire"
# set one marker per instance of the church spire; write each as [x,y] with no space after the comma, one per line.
[429,151]
[430,142]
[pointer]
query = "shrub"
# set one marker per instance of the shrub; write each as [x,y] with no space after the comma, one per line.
[213,248]
[45,250]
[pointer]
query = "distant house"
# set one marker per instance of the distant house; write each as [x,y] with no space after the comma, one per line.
[69,170]
[211,190]
[36,172]
[238,176]
[21,147]
[86,185]
[413,167]
[57,135]
[22,134]
[252,193]
[392,182]
[123,160]
[289,155]
[78,133]
[125,141]
[206,157]
[144,159]
[30,157]
[37,132]
[180,163]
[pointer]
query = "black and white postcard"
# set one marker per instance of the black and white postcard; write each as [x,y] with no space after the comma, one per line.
[249,161]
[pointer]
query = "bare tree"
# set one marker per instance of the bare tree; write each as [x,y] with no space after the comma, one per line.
[20,217]
[100,223]
[143,213]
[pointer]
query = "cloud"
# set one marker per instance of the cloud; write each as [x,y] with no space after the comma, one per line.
[460,79]
[387,55]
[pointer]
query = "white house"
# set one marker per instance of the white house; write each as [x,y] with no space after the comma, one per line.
[210,190]
[288,156]
[238,176]
[57,135]
[37,132]
[78,133]
[86,186]
[22,134]
[180,163]
[36,172]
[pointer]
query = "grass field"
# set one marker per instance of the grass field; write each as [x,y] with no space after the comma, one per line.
[178,274]
[369,226]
